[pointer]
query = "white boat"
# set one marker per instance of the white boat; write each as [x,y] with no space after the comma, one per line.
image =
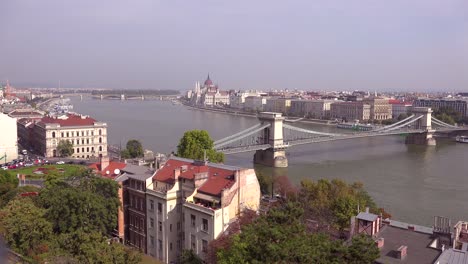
[462,139]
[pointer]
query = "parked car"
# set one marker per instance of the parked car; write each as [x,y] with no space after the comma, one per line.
[29,164]
[60,162]
[4,167]
[70,162]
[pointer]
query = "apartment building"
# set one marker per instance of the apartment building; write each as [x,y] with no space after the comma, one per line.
[380,109]
[460,106]
[8,139]
[399,108]
[311,108]
[190,203]
[88,136]
[350,111]
[278,105]
[254,103]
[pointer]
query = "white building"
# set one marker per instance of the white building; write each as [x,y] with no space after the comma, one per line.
[8,139]
[255,103]
[190,203]
[88,136]
[311,108]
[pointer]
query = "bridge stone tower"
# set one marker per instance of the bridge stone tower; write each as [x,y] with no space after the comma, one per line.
[426,137]
[273,135]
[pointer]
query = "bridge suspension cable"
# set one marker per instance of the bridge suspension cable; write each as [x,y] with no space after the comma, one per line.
[242,135]
[237,134]
[392,125]
[441,123]
[309,131]
[402,125]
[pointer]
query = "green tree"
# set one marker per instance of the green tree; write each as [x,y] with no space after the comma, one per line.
[90,204]
[14,192]
[195,143]
[362,250]
[189,257]
[134,148]
[25,228]
[402,116]
[65,148]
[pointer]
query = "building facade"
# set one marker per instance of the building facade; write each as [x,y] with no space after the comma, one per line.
[459,106]
[380,109]
[399,108]
[190,203]
[311,108]
[350,111]
[254,103]
[8,139]
[278,105]
[88,136]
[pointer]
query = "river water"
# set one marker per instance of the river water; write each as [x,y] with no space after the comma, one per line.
[413,183]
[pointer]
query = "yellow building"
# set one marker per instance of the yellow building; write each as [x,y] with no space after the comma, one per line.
[278,105]
[8,139]
[190,203]
[380,108]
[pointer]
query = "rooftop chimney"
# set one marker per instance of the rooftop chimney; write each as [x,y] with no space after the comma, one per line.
[177,173]
[380,242]
[104,162]
[402,252]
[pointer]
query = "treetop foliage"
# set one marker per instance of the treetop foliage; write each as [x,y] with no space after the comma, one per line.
[195,143]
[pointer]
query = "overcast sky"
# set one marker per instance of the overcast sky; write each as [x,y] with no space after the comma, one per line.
[244,44]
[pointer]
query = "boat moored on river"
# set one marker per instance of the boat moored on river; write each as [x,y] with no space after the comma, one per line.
[462,139]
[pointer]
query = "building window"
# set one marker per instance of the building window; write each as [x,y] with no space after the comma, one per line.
[68,135]
[159,207]
[82,149]
[170,246]
[61,134]
[193,243]
[152,241]
[151,205]
[160,226]
[92,148]
[92,133]
[82,142]
[100,148]
[87,132]
[87,149]
[151,222]
[170,227]
[204,246]
[77,141]
[178,226]
[100,132]
[205,225]
[82,133]
[77,150]
[53,134]
[100,140]
[193,220]
[87,141]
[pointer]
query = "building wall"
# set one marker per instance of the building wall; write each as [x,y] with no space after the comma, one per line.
[460,106]
[254,103]
[380,109]
[398,109]
[135,214]
[278,105]
[350,111]
[8,138]
[88,141]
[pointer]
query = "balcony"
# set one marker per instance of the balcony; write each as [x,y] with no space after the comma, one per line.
[201,208]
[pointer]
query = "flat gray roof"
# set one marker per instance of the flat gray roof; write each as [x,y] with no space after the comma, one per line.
[417,243]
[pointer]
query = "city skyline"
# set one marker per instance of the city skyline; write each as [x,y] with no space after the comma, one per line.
[365,45]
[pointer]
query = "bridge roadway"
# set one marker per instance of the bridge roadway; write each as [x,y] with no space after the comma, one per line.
[320,139]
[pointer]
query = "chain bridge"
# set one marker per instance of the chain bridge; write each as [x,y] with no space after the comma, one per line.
[271,136]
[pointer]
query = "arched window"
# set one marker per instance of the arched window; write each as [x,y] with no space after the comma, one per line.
[100,148]
[82,149]
[77,150]
[100,140]
[53,134]
[87,141]
[100,132]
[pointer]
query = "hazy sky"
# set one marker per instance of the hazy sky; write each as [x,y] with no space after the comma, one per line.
[243,44]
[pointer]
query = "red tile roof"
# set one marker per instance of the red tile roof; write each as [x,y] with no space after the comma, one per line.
[218,178]
[71,120]
[113,165]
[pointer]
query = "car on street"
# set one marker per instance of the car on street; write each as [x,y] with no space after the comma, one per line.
[60,162]
[29,164]
[4,167]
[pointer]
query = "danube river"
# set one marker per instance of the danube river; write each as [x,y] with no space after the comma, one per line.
[413,183]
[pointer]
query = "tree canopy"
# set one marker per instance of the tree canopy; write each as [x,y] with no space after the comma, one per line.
[69,222]
[195,143]
[65,148]
[134,149]
[281,237]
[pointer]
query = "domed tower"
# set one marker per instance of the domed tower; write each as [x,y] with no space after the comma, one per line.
[208,81]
